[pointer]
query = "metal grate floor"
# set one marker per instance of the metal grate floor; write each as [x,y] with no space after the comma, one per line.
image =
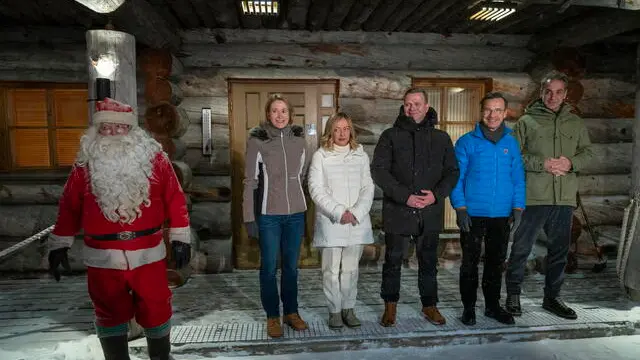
[236,332]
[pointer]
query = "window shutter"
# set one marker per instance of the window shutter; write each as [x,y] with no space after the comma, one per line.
[31,147]
[30,136]
[70,110]
[70,107]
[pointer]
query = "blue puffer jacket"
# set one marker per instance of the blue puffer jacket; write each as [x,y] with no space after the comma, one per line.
[491,182]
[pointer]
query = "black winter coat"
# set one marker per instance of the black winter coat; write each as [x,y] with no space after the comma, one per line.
[408,158]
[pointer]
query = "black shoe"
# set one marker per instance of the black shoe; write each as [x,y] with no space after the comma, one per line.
[512,305]
[500,315]
[159,348]
[468,316]
[115,347]
[558,308]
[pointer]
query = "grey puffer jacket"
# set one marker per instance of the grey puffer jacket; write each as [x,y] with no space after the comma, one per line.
[276,164]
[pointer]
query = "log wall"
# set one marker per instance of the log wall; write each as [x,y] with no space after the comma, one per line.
[371,92]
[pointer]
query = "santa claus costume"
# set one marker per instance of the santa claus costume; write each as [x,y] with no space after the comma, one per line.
[121,190]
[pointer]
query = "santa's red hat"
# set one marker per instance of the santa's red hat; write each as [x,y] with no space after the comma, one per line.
[112,111]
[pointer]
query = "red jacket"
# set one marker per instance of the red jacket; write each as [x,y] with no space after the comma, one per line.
[78,209]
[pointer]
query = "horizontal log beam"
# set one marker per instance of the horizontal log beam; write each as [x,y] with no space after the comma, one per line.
[62,57]
[245,36]
[358,56]
[586,30]
[43,35]
[211,218]
[609,130]
[12,194]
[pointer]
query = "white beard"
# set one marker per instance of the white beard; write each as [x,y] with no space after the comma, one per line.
[120,168]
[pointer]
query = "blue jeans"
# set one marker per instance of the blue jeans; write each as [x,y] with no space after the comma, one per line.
[280,234]
[556,221]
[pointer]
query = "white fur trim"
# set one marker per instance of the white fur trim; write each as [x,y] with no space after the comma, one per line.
[127,118]
[123,259]
[58,242]
[180,234]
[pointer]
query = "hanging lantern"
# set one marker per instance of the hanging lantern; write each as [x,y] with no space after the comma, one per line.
[111,57]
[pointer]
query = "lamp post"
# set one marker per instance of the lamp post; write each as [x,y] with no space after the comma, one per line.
[111,61]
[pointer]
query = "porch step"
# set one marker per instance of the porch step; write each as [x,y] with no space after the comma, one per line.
[249,338]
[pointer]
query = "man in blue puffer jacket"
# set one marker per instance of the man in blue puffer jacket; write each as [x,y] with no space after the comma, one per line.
[490,192]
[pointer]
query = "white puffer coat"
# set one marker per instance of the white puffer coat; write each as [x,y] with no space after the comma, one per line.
[338,182]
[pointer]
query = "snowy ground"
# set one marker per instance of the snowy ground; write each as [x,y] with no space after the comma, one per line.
[611,348]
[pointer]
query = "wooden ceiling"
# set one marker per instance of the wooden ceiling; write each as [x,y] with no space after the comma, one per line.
[553,22]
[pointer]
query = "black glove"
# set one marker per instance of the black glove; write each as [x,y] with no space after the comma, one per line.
[252,229]
[516,218]
[463,220]
[181,253]
[58,257]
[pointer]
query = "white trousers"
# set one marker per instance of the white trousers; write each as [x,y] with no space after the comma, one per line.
[340,276]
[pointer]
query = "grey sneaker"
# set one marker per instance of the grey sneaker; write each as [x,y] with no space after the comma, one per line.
[335,321]
[349,318]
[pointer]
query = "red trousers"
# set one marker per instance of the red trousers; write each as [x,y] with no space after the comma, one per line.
[119,295]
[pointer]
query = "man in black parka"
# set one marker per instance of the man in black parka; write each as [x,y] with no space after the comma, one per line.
[416,167]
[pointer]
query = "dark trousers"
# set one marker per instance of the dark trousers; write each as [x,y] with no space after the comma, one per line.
[427,254]
[556,222]
[495,233]
[280,234]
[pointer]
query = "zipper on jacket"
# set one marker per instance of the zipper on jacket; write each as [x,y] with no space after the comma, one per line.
[555,138]
[286,172]
[495,181]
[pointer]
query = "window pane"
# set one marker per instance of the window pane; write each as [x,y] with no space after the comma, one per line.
[71,107]
[457,130]
[434,99]
[67,144]
[463,104]
[29,107]
[31,147]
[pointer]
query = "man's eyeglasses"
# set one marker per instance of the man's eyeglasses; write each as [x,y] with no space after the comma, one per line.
[489,111]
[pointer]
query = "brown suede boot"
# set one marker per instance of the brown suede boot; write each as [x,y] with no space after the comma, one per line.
[295,321]
[389,316]
[274,329]
[432,314]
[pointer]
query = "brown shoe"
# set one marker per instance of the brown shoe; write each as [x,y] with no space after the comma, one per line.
[432,314]
[274,329]
[389,316]
[295,321]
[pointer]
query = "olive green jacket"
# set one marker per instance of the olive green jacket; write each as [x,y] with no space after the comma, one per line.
[544,134]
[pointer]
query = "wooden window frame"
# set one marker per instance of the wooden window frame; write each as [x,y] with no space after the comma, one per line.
[7,156]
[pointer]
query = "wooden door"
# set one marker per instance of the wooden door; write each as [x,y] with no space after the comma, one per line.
[313,102]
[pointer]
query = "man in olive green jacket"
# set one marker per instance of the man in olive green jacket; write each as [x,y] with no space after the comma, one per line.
[555,146]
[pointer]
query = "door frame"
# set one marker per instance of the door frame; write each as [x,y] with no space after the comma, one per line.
[235,221]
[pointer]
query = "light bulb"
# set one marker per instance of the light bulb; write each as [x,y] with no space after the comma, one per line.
[105,66]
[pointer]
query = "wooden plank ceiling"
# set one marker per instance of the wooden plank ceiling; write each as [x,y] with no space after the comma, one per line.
[442,16]
[162,19]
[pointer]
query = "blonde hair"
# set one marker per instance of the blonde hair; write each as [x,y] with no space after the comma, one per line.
[327,137]
[277,97]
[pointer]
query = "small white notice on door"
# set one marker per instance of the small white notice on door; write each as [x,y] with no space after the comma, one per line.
[311,130]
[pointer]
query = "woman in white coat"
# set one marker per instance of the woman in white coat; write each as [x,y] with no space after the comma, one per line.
[341,187]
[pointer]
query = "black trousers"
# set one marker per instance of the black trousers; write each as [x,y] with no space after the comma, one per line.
[495,232]
[427,254]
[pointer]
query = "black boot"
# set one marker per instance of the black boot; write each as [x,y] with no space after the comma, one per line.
[499,314]
[559,308]
[115,347]
[468,316]
[513,305]
[159,348]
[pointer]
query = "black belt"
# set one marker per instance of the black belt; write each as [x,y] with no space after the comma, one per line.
[125,235]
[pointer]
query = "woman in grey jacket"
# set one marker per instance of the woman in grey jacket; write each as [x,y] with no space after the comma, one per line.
[276,159]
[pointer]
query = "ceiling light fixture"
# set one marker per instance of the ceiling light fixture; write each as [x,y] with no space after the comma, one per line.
[493,11]
[260,7]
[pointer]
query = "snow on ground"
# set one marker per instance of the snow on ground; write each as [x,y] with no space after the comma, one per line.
[611,348]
